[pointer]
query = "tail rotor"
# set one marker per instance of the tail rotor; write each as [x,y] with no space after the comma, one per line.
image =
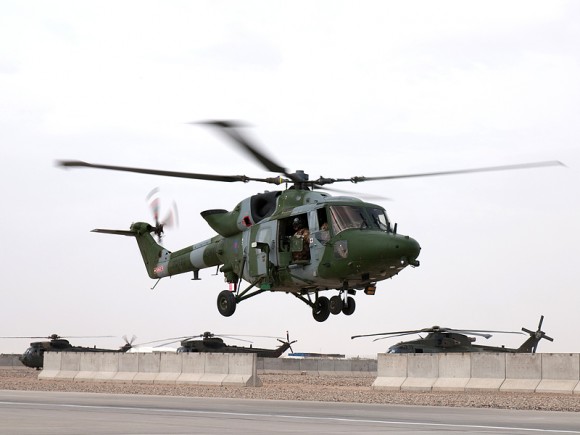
[288,342]
[171,218]
[537,335]
[128,343]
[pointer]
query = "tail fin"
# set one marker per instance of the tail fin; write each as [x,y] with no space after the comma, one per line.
[154,255]
[531,344]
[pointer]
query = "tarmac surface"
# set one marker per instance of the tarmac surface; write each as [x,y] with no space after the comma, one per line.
[33,412]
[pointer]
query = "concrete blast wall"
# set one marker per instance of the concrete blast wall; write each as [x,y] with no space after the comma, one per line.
[318,366]
[153,368]
[510,372]
[10,360]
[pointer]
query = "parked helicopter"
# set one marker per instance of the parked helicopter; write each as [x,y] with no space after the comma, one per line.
[299,240]
[34,356]
[447,340]
[210,342]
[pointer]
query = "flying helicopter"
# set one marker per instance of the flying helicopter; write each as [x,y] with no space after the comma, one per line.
[34,356]
[210,342]
[299,240]
[447,340]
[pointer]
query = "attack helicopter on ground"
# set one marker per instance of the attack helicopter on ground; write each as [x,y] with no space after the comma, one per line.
[447,340]
[209,342]
[299,240]
[34,356]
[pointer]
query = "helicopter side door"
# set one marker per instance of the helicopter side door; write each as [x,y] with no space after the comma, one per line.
[304,246]
[293,240]
[262,251]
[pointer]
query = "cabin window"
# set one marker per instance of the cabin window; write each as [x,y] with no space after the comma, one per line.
[323,233]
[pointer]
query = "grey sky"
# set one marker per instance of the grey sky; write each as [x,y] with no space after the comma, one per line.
[334,88]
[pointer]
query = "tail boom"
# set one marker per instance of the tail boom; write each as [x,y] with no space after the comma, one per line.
[160,262]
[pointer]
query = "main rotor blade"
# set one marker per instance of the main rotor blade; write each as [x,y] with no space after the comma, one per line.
[232,131]
[482,332]
[191,175]
[454,172]
[415,331]
[396,335]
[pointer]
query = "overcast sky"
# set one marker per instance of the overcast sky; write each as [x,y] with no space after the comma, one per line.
[336,88]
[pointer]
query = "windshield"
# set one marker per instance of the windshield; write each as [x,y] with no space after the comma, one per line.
[345,217]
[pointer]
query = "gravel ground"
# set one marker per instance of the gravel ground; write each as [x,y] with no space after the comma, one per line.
[303,387]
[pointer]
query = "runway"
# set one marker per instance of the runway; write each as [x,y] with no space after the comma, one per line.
[34,413]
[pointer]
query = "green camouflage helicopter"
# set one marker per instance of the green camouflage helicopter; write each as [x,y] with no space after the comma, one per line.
[34,356]
[299,240]
[448,340]
[210,342]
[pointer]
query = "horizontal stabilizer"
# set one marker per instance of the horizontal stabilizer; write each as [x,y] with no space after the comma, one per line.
[116,232]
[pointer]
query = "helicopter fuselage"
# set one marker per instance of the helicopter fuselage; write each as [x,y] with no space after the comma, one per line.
[345,244]
[34,356]
[216,344]
[355,250]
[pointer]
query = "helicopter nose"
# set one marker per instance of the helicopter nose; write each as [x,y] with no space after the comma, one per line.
[409,250]
[413,250]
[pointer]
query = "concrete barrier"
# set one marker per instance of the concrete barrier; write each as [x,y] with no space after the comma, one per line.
[560,373]
[318,366]
[216,369]
[487,371]
[422,372]
[192,368]
[391,371]
[170,367]
[51,365]
[128,366]
[107,367]
[200,369]
[454,372]
[70,363]
[363,367]
[148,365]
[88,367]
[10,360]
[523,372]
[286,365]
[506,372]
[242,370]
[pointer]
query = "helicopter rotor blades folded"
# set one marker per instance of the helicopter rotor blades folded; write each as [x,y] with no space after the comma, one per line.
[396,333]
[435,329]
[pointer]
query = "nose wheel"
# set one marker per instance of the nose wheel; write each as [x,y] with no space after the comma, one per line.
[226,303]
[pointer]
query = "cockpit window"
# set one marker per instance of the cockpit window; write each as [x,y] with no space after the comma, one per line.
[345,217]
[379,218]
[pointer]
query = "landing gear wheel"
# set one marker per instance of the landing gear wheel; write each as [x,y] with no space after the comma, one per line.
[336,305]
[226,303]
[349,306]
[321,310]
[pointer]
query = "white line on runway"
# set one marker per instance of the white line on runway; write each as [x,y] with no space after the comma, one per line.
[293,417]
